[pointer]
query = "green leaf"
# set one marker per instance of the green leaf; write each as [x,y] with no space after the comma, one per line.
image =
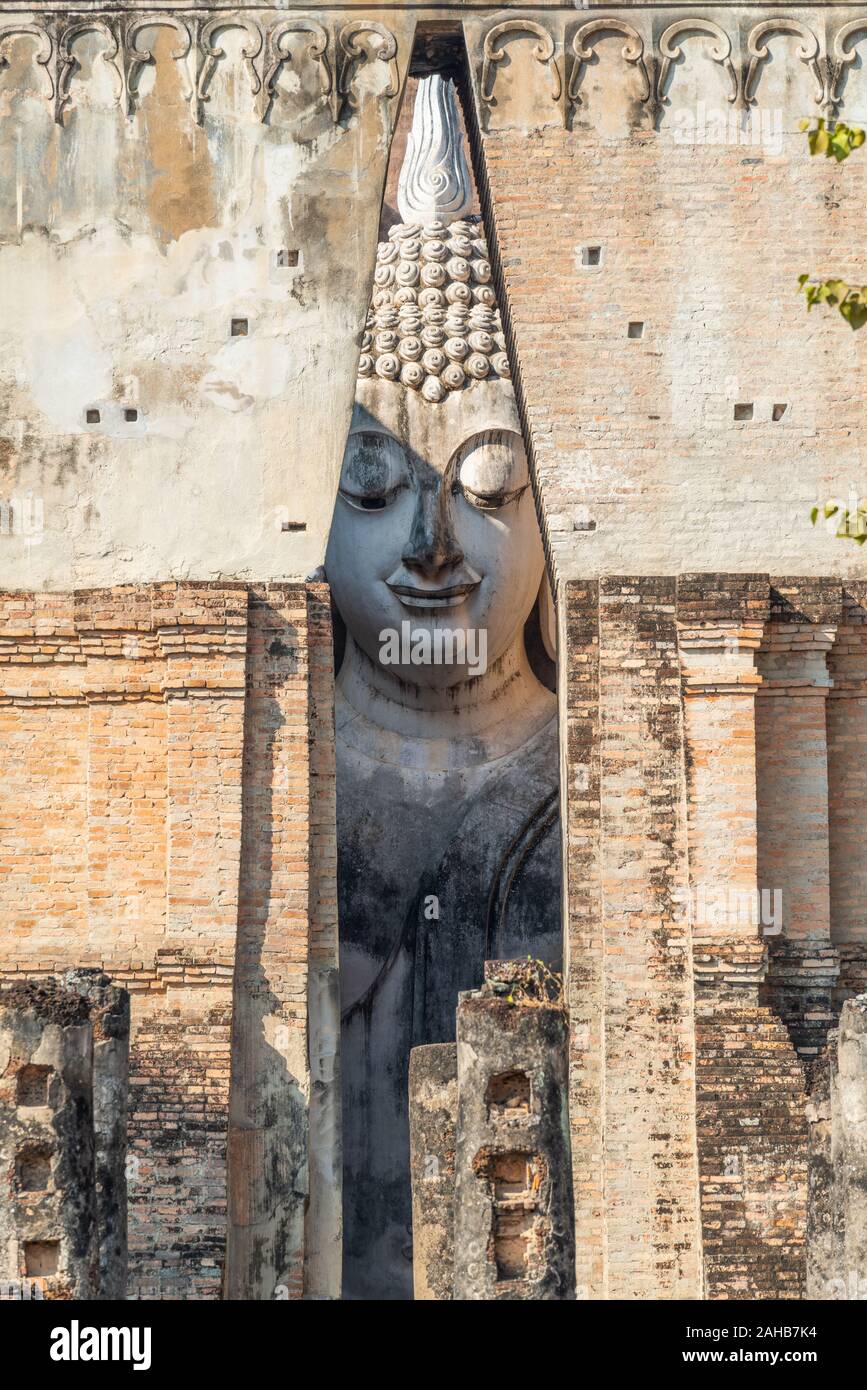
[835,142]
[854,311]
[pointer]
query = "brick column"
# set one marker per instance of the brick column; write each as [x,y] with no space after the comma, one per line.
[578,676]
[721,620]
[630,973]
[792,794]
[847,779]
[284,1203]
[750,1110]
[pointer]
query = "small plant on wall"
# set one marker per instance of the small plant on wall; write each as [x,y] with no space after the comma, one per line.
[837,141]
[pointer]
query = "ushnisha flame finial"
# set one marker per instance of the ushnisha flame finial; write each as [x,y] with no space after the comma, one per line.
[434,184]
[433,325]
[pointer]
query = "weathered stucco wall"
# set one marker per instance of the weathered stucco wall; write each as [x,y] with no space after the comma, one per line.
[188,218]
[146,205]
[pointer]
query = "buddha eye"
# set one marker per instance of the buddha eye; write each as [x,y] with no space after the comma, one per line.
[374,471]
[491,469]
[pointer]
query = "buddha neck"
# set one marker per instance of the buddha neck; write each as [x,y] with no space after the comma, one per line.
[461,726]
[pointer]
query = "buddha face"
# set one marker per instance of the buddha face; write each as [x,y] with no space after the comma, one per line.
[434,525]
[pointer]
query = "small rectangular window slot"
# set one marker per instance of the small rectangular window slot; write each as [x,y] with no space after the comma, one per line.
[591,255]
[744,410]
[635,329]
[92,416]
[239,328]
[32,1085]
[778,411]
[34,1170]
[130,415]
[286,258]
[41,1258]
[294,526]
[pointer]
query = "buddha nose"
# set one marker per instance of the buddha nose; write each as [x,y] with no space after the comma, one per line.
[432,544]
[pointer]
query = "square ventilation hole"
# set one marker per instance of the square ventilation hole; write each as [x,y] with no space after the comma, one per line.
[294,526]
[744,410]
[33,1170]
[32,1085]
[130,415]
[635,329]
[508,1094]
[591,255]
[240,328]
[41,1258]
[92,416]
[778,411]
[286,258]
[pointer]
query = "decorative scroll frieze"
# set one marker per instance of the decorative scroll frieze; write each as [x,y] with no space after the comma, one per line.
[842,56]
[563,55]
[544,51]
[67,61]
[136,58]
[364,41]
[311,41]
[720,50]
[210,55]
[340,50]
[45,54]
[582,47]
[808,52]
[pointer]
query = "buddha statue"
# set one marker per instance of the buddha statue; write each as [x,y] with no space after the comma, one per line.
[447,765]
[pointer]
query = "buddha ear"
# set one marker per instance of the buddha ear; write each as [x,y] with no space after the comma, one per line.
[547,617]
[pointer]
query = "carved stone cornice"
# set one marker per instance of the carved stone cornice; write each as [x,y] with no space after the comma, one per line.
[738,40]
[338,46]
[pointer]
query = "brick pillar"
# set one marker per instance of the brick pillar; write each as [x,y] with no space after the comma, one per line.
[629,966]
[433,1116]
[750,1105]
[513,1197]
[284,1210]
[792,796]
[847,779]
[109,1017]
[323,1234]
[651,1176]
[721,620]
[48,1212]
[578,675]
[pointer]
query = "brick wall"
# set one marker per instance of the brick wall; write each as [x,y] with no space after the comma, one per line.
[159,810]
[687,1096]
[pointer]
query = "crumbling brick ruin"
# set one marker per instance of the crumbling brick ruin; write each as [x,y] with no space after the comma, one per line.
[268,391]
[63,1099]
